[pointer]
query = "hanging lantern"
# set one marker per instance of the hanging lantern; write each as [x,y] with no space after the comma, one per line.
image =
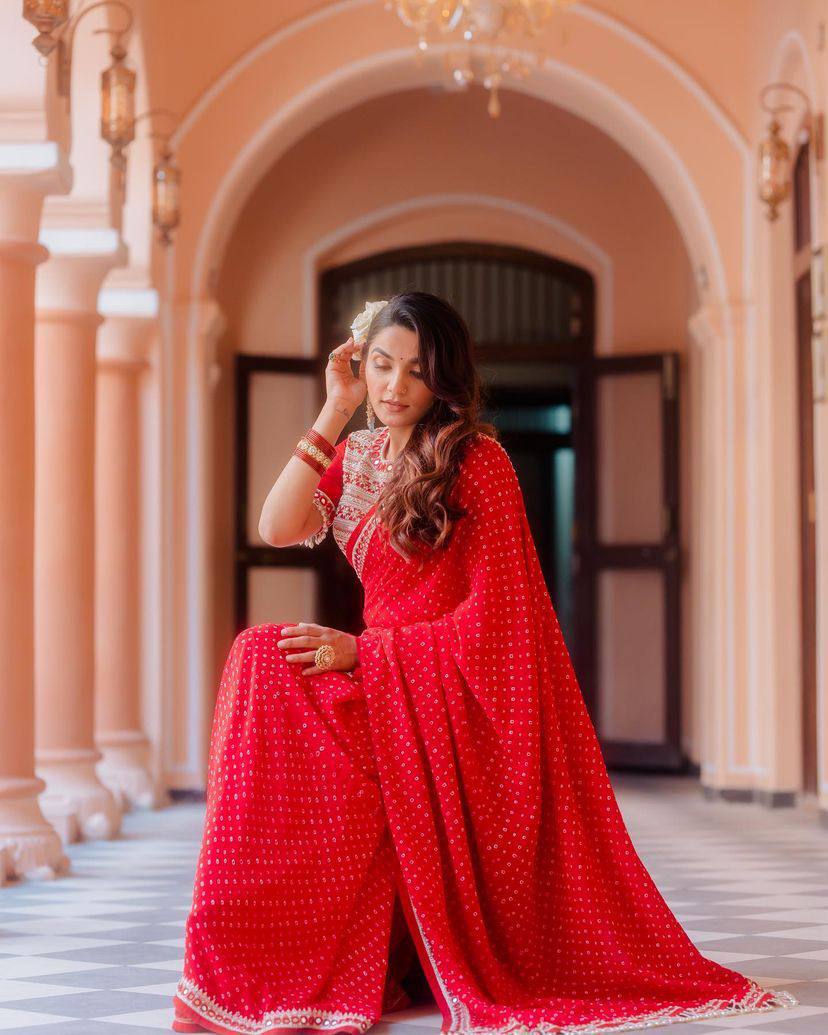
[166,178]
[46,16]
[774,152]
[774,170]
[118,104]
[166,195]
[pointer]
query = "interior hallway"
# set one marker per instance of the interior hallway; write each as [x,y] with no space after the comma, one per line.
[100,949]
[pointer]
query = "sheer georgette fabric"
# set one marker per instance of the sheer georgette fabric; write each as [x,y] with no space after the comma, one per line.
[455,770]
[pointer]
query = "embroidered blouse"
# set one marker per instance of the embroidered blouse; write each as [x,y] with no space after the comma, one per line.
[351,485]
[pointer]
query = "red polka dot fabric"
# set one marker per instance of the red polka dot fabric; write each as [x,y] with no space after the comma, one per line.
[453,778]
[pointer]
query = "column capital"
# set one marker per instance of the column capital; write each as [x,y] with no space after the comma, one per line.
[129,304]
[39,165]
[124,342]
[128,291]
[79,259]
[29,170]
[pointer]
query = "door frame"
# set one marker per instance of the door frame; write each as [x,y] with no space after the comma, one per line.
[325,559]
[593,557]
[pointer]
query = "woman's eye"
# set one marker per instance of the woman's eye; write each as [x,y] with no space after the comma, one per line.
[378,366]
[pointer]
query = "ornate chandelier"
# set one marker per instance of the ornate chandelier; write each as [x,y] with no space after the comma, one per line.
[503,25]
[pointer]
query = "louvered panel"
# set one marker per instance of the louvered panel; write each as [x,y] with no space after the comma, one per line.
[504,302]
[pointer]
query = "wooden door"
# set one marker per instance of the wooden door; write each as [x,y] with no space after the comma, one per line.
[627,557]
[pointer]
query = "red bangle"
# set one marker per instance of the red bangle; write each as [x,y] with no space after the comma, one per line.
[314,463]
[312,435]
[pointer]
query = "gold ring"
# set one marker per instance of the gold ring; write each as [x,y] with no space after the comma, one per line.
[324,656]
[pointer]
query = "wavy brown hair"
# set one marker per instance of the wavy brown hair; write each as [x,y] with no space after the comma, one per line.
[415,505]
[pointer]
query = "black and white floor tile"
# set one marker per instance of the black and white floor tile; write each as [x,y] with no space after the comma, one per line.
[100,950]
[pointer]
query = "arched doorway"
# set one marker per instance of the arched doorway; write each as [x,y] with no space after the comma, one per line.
[581,431]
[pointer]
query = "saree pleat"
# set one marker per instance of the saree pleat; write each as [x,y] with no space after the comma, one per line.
[291,914]
[455,777]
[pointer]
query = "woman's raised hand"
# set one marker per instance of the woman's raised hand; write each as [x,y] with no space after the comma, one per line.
[340,381]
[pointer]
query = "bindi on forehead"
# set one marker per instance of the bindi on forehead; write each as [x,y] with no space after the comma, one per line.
[378,348]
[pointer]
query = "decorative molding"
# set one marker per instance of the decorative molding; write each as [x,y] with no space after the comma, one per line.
[25,123]
[128,291]
[135,303]
[331,10]
[83,242]
[726,327]
[42,167]
[580,94]
[80,317]
[66,212]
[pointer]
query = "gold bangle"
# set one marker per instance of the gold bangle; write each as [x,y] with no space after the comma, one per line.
[314,451]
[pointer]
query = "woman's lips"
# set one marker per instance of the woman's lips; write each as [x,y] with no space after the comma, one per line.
[395,407]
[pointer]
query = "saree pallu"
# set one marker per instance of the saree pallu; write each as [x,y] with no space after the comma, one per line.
[454,774]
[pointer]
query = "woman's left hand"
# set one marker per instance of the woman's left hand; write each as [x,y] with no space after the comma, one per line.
[311,636]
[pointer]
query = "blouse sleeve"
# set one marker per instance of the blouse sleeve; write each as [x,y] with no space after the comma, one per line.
[326,495]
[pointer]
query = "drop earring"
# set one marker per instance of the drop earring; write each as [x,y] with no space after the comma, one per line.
[369,414]
[369,410]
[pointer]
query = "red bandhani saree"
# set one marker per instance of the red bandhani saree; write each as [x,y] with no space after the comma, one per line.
[449,794]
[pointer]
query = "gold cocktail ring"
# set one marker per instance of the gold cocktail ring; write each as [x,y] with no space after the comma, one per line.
[324,656]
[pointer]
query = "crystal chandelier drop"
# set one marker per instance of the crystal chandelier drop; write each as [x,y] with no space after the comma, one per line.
[502,25]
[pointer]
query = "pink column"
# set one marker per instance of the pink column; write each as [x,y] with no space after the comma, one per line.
[125,767]
[75,800]
[29,846]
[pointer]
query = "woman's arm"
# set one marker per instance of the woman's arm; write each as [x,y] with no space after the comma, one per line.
[287,509]
[288,514]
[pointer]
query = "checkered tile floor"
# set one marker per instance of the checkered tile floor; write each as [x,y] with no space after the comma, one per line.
[101,949]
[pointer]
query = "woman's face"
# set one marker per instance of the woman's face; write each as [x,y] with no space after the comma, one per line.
[392,374]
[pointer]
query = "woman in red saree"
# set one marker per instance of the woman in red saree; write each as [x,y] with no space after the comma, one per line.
[445,795]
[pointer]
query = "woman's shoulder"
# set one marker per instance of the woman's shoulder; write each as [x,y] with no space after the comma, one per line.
[481,445]
[486,468]
[484,451]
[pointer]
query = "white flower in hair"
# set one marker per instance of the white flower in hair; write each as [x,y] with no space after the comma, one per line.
[362,323]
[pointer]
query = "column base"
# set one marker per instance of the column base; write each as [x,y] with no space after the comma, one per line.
[125,771]
[30,849]
[75,801]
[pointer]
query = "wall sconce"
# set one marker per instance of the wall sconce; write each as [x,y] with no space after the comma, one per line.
[117,84]
[774,153]
[46,16]
[166,182]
